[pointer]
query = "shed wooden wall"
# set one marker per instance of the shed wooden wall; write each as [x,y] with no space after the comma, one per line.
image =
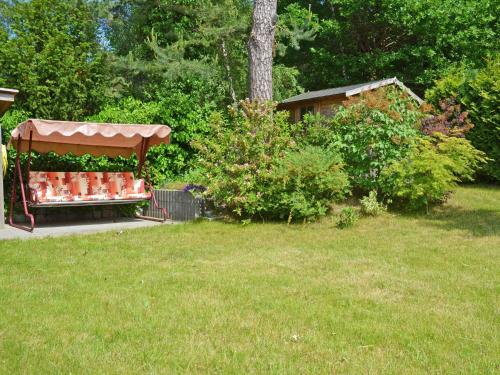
[324,106]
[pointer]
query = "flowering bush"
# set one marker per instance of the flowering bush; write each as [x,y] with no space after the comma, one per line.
[193,188]
[254,168]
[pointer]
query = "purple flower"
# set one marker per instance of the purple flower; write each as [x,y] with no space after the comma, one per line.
[194,188]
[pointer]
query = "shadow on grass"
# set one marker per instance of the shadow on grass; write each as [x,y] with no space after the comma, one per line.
[478,222]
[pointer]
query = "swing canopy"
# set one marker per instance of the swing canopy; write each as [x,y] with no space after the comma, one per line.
[79,138]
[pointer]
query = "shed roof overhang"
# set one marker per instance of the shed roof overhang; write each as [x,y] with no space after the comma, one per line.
[7,97]
[79,138]
[347,91]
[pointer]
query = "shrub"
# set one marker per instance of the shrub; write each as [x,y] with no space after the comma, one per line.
[483,102]
[306,181]
[370,206]
[239,157]
[478,91]
[185,114]
[375,129]
[347,218]
[451,121]
[253,166]
[430,171]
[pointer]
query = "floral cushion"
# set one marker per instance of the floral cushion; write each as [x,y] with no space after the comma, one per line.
[85,186]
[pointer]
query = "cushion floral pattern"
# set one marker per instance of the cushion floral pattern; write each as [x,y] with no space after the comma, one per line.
[85,186]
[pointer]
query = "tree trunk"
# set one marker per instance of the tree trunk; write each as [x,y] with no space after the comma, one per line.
[260,50]
[225,56]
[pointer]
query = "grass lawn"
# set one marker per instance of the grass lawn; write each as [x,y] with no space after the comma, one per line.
[395,294]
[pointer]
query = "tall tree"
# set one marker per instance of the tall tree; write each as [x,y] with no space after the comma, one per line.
[50,51]
[261,49]
[361,40]
[181,39]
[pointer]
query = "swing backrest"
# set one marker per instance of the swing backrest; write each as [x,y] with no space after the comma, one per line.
[85,186]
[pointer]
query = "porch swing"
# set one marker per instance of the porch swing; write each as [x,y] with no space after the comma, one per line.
[70,189]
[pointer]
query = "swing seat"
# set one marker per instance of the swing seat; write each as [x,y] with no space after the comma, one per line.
[55,189]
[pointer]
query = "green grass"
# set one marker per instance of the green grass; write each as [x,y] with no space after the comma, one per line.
[394,294]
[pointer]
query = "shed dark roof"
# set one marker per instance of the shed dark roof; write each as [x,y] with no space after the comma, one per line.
[351,90]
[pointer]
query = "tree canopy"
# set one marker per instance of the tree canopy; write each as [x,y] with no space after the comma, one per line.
[81,59]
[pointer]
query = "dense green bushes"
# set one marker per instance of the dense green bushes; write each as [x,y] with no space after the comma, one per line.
[389,145]
[307,181]
[187,114]
[51,53]
[254,167]
[375,128]
[430,171]
[258,165]
[478,91]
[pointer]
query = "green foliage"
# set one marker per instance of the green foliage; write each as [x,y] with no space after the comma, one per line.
[375,129]
[296,25]
[370,206]
[51,54]
[10,120]
[285,82]
[253,167]
[361,40]
[347,217]
[239,158]
[176,39]
[479,93]
[307,181]
[186,114]
[483,104]
[430,171]
[450,85]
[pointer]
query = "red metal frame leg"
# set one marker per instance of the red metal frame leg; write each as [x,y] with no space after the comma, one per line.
[19,175]
[164,211]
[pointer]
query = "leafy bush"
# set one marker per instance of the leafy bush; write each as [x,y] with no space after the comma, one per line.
[10,120]
[347,217]
[370,205]
[253,166]
[483,102]
[239,157]
[430,171]
[375,129]
[318,130]
[306,181]
[186,114]
[478,91]
[450,85]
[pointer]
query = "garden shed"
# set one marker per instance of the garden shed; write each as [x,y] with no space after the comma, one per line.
[323,101]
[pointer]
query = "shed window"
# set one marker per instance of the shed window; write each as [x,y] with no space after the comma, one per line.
[304,110]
